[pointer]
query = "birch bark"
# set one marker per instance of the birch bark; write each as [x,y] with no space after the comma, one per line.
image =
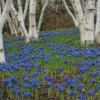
[89,25]
[97,30]
[3,18]
[75,22]
[41,17]
[19,18]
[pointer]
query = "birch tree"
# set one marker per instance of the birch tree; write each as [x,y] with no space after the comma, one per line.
[97,30]
[11,25]
[3,18]
[85,19]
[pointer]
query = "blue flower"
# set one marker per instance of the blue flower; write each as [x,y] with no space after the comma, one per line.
[72,93]
[49,84]
[26,94]
[14,79]
[42,68]
[20,84]
[48,78]
[0,90]
[51,61]
[57,85]
[82,97]
[98,87]
[37,65]
[46,60]
[36,73]
[25,79]
[0,96]
[9,85]
[90,92]
[18,91]
[7,80]
[74,63]
[80,78]
[61,88]
[94,73]
[72,85]
[15,88]
[26,85]
[23,69]
[44,71]
[65,78]
[60,69]
[79,87]
[65,62]
[93,81]
[29,68]
[30,75]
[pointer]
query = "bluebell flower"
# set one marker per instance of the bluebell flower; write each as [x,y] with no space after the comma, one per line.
[94,73]
[46,60]
[26,85]
[15,88]
[9,85]
[68,81]
[25,79]
[60,69]
[79,87]
[74,63]
[56,84]
[29,68]
[44,71]
[7,80]
[51,61]
[14,79]
[0,96]
[74,80]
[69,55]
[30,75]
[37,65]
[61,88]
[20,84]
[82,97]
[36,73]
[65,78]
[90,92]
[93,81]
[0,90]
[26,94]
[48,78]
[72,85]
[42,68]
[65,62]
[49,84]
[98,87]
[80,78]
[72,93]
[23,69]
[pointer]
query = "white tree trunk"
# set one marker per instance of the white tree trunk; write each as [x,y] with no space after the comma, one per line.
[26,8]
[19,17]
[75,21]
[89,25]
[41,17]
[3,18]
[76,15]
[85,22]
[9,20]
[15,22]
[32,21]
[97,31]
[0,10]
